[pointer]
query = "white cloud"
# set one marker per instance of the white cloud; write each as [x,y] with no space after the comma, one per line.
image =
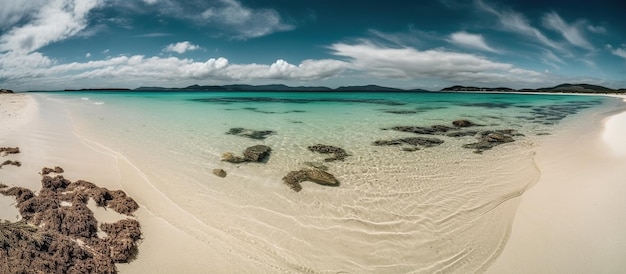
[596,29]
[181,47]
[619,52]
[410,63]
[517,23]
[52,21]
[132,70]
[571,33]
[475,41]
[87,55]
[243,21]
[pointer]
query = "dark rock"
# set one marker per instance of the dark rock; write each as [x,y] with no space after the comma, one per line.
[9,150]
[462,133]
[415,141]
[339,153]
[249,133]
[219,172]
[9,162]
[258,153]
[294,178]
[57,233]
[47,170]
[462,123]
[5,91]
[490,139]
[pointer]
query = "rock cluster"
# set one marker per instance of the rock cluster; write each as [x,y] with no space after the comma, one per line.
[294,178]
[47,170]
[487,139]
[338,153]
[257,153]
[9,150]
[58,232]
[250,133]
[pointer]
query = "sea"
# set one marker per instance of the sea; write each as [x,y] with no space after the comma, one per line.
[400,207]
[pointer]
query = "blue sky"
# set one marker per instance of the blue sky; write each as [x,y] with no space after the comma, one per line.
[57,44]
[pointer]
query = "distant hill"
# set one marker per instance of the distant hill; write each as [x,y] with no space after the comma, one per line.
[464,88]
[276,88]
[563,88]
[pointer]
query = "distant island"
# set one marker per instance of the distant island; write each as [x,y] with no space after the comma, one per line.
[563,88]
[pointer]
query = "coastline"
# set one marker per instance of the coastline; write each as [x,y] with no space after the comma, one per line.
[568,222]
[49,144]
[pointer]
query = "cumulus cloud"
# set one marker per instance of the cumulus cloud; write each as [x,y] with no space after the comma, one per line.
[181,47]
[244,21]
[129,70]
[469,40]
[410,63]
[596,29]
[572,33]
[50,22]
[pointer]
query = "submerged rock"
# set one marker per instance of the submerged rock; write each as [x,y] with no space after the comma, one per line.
[415,141]
[491,139]
[462,123]
[338,153]
[257,153]
[219,172]
[294,178]
[250,133]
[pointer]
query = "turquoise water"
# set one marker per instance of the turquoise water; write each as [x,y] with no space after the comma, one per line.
[436,208]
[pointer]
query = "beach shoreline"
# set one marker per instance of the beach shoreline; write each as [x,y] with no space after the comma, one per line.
[568,221]
[111,169]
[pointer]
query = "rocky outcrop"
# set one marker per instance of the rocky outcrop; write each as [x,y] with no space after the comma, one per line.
[257,153]
[250,133]
[338,153]
[294,178]
[462,123]
[58,232]
[5,91]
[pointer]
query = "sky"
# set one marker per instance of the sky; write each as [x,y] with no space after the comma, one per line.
[69,44]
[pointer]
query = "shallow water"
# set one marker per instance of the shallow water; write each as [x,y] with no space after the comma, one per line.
[441,208]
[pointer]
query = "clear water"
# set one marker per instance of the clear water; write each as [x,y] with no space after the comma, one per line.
[441,208]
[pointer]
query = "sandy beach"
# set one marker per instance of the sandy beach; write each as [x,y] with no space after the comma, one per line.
[567,222]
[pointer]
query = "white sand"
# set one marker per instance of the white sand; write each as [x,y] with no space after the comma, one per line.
[164,248]
[572,220]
